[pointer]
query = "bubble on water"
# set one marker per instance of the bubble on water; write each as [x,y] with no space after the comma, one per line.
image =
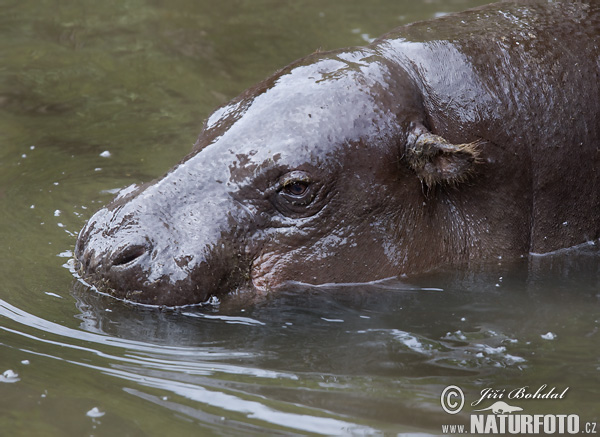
[512,359]
[52,294]
[57,213]
[458,335]
[9,376]
[25,362]
[548,336]
[410,341]
[95,413]
[367,38]
[105,154]
[111,191]
[490,350]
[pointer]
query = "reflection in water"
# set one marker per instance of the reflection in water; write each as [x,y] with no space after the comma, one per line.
[361,358]
[153,371]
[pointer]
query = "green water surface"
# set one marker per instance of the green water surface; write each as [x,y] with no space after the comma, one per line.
[136,79]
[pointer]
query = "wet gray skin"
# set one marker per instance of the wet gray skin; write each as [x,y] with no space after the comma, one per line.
[442,142]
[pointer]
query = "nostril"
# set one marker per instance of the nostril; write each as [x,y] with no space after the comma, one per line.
[129,254]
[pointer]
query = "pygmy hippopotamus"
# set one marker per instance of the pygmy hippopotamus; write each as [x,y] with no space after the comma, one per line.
[468,137]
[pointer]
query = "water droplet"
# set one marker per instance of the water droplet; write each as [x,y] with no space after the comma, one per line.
[94,413]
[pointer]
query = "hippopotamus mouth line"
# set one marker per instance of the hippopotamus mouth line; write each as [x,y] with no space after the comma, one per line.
[389,283]
[101,286]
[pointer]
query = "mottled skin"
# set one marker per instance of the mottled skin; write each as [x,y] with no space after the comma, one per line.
[468,137]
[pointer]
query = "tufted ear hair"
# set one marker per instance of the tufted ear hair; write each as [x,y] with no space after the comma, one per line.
[436,161]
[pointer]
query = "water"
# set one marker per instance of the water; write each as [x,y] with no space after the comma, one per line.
[136,79]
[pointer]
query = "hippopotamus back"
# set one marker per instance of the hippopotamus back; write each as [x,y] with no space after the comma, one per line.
[525,76]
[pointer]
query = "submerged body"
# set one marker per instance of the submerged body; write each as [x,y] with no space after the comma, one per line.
[472,136]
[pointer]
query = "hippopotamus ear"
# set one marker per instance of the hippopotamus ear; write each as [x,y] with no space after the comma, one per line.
[437,161]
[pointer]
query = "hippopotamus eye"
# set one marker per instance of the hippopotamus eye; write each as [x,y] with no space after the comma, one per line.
[296,188]
[295,191]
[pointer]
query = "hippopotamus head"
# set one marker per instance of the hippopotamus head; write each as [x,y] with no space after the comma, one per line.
[318,174]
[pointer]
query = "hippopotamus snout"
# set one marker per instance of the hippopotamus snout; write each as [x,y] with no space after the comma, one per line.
[112,262]
[119,247]
[118,260]
[137,253]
